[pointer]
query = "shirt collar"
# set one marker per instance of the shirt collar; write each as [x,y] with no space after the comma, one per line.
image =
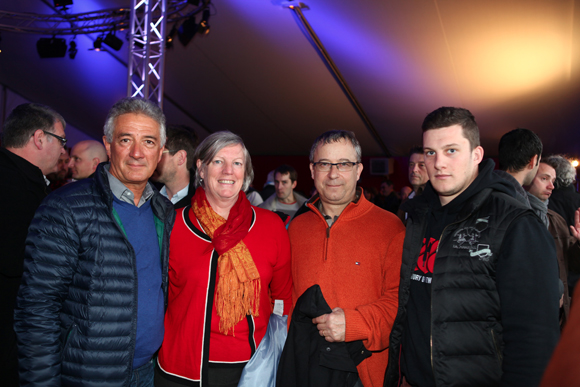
[123,193]
[329,219]
[178,196]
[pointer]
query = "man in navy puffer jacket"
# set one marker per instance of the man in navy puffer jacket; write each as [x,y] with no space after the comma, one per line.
[91,305]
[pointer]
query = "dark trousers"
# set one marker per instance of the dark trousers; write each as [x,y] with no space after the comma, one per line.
[217,377]
[8,350]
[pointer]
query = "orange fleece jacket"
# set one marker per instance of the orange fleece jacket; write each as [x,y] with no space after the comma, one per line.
[357,264]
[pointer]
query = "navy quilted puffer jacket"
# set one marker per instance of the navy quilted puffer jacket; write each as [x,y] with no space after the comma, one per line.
[76,317]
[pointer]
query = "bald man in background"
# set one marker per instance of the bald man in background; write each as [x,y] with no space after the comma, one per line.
[84,158]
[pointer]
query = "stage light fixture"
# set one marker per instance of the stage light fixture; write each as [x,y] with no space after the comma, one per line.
[98,43]
[72,50]
[112,41]
[194,2]
[169,38]
[187,30]
[62,3]
[51,47]
[204,25]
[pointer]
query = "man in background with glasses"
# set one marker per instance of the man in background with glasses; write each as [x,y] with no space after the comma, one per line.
[32,142]
[352,249]
[174,168]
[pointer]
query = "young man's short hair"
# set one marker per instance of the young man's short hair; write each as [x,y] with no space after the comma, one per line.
[517,148]
[284,169]
[448,116]
[180,137]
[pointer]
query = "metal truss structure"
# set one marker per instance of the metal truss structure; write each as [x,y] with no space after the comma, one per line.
[147,20]
[90,22]
[147,49]
[82,23]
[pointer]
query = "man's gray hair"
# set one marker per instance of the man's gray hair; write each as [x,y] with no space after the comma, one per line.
[211,145]
[565,172]
[336,136]
[135,106]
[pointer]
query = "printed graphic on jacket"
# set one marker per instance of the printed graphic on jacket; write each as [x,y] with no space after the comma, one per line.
[468,239]
[424,269]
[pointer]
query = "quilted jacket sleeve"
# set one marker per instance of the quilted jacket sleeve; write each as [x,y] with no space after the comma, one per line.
[50,261]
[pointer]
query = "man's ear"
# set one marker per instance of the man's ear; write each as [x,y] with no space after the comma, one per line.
[533,162]
[39,139]
[107,147]
[478,155]
[182,157]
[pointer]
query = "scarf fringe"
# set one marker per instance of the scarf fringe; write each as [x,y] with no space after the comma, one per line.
[231,313]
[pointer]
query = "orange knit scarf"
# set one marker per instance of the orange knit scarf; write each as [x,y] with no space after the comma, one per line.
[238,284]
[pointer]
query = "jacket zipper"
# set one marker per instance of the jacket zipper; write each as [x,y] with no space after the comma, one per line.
[497,351]
[326,243]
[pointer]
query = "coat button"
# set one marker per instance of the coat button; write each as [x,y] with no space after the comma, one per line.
[328,349]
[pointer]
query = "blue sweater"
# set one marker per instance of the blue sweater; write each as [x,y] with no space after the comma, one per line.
[139,227]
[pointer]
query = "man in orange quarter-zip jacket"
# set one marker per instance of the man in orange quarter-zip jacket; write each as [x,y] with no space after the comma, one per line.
[352,249]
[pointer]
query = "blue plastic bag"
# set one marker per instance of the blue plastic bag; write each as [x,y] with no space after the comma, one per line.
[260,371]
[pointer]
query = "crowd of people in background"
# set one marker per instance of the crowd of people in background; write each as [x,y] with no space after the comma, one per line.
[148,259]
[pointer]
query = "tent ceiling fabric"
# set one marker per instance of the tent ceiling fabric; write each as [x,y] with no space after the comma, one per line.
[512,63]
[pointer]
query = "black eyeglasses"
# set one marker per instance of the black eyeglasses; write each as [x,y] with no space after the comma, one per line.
[169,151]
[325,166]
[59,138]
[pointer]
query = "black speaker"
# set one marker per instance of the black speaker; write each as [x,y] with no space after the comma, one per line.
[51,47]
[113,42]
[62,3]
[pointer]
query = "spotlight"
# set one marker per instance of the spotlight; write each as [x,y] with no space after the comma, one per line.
[72,51]
[204,25]
[62,3]
[51,47]
[112,41]
[98,43]
[187,30]
[169,38]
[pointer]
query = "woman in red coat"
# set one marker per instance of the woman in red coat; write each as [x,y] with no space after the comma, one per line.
[229,267]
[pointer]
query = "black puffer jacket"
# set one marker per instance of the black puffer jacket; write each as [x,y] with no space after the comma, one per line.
[494,293]
[76,317]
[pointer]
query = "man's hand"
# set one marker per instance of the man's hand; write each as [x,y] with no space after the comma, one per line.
[332,326]
[575,230]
